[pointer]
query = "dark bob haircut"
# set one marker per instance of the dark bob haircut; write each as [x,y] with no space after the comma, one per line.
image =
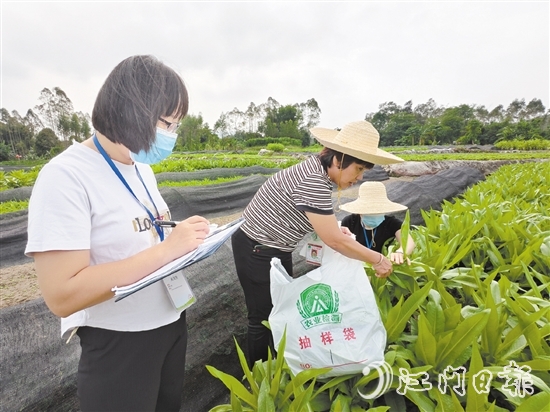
[138,91]
[327,155]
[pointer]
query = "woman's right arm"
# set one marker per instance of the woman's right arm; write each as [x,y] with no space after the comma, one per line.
[326,227]
[68,283]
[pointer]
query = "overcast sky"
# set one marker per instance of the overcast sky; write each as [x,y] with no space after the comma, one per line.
[349,56]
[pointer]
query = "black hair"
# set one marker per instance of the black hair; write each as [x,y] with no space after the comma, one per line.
[326,155]
[138,91]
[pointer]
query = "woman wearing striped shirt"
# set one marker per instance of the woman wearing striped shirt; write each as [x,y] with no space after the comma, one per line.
[293,203]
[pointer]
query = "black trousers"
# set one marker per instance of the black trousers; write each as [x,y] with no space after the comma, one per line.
[132,371]
[253,264]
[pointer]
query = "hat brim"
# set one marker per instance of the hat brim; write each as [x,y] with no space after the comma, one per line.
[362,207]
[327,138]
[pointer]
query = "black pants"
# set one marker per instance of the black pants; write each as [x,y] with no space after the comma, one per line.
[252,262]
[132,371]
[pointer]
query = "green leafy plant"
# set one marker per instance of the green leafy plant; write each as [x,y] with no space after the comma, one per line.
[18,178]
[532,144]
[276,147]
[13,206]
[270,383]
[475,299]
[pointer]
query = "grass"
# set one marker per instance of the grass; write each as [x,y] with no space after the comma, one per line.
[203,182]
[13,206]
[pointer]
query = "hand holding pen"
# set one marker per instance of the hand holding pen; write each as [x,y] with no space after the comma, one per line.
[172,223]
[185,236]
[165,223]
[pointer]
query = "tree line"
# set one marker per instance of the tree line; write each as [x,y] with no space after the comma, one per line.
[45,130]
[430,124]
[258,125]
[53,124]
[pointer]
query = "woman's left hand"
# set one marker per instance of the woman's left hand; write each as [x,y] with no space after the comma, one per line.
[397,258]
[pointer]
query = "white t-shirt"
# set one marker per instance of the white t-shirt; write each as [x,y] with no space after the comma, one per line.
[78,203]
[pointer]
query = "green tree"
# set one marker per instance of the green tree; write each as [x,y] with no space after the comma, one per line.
[64,126]
[534,109]
[472,132]
[55,104]
[4,151]
[33,122]
[14,133]
[311,114]
[221,127]
[194,134]
[396,129]
[46,142]
[453,123]
[427,110]
[75,127]
[490,132]
[516,110]
[85,129]
[282,121]
[383,115]
[411,136]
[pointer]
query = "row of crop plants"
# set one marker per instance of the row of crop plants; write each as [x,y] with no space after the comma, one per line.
[473,306]
[202,161]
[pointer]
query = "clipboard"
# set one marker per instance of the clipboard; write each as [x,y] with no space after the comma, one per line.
[211,244]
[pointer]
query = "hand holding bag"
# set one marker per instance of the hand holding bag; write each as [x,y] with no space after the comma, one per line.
[330,315]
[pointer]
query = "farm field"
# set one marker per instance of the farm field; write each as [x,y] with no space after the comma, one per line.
[487,282]
[474,301]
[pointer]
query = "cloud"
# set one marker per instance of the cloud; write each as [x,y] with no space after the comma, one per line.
[350,56]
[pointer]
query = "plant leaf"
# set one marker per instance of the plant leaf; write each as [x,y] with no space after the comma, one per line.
[535,403]
[234,386]
[265,401]
[398,321]
[463,336]
[425,346]
[475,401]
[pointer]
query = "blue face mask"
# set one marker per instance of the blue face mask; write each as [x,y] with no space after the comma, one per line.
[162,148]
[372,221]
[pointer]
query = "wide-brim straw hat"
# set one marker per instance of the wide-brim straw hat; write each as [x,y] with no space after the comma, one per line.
[358,139]
[372,200]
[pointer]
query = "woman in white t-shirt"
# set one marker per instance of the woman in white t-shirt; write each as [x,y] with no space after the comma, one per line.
[92,227]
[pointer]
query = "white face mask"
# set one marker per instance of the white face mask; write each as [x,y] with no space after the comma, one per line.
[372,221]
[161,148]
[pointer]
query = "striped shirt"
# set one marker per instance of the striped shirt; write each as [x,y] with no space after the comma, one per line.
[275,216]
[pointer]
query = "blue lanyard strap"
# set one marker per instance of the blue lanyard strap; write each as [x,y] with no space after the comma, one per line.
[372,242]
[119,175]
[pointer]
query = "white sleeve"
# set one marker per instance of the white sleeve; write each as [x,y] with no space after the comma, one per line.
[59,212]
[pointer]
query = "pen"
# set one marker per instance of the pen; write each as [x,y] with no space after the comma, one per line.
[169,223]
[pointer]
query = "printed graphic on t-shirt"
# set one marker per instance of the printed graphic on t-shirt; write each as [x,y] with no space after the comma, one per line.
[143,223]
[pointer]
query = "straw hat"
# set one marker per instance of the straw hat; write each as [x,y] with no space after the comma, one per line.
[372,200]
[358,139]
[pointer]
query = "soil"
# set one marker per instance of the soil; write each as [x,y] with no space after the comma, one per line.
[18,284]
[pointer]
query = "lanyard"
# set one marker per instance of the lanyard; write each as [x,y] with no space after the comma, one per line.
[117,172]
[372,242]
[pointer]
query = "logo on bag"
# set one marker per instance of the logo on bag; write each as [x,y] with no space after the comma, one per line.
[318,305]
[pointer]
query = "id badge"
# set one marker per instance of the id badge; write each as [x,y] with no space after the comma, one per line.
[179,291]
[314,254]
